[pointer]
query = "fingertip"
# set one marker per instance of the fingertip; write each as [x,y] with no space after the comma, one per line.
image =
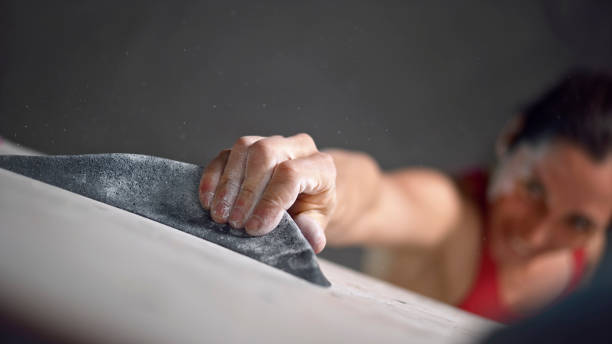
[235,219]
[313,232]
[219,211]
[253,226]
[210,179]
[205,199]
[318,244]
[263,220]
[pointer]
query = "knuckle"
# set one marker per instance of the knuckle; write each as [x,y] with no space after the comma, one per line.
[307,139]
[243,142]
[288,171]
[263,151]
[263,145]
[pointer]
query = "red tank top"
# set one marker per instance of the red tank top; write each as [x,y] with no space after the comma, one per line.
[484,299]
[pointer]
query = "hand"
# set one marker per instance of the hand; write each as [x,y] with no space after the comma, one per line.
[251,184]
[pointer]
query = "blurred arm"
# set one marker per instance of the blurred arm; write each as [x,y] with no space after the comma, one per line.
[413,206]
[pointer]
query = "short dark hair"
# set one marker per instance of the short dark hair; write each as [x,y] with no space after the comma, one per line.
[578,110]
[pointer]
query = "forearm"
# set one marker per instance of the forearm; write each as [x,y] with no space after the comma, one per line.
[358,185]
[413,206]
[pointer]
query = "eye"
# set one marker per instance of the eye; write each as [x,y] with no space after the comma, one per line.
[535,189]
[580,223]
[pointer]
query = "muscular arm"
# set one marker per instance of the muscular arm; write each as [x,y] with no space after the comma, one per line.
[414,207]
[339,196]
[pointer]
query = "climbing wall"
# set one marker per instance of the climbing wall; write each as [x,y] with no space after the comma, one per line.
[81,269]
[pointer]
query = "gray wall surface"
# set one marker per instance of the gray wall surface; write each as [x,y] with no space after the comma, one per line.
[410,82]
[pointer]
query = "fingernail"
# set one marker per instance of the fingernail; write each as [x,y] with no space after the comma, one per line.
[222,211]
[253,225]
[206,198]
[235,217]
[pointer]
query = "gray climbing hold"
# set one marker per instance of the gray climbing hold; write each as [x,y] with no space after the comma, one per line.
[166,191]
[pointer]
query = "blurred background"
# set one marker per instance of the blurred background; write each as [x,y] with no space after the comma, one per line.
[409,82]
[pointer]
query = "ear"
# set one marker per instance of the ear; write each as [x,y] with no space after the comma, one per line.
[508,134]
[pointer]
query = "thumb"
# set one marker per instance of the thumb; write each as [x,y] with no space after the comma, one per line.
[312,230]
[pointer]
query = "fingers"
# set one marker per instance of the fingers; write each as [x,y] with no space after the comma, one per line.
[210,178]
[253,183]
[229,182]
[262,158]
[314,175]
[258,173]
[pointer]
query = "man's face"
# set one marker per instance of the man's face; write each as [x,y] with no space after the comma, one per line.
[547,198]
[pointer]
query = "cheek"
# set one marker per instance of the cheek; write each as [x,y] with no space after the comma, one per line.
[565,238]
